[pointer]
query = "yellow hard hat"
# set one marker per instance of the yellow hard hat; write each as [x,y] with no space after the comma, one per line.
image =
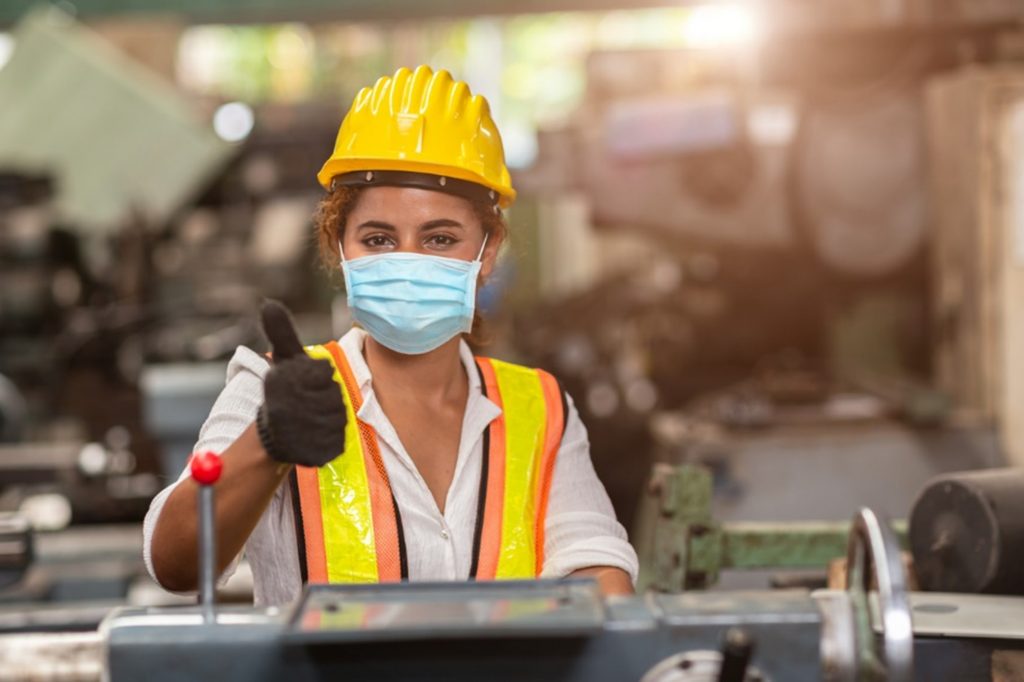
[424,129]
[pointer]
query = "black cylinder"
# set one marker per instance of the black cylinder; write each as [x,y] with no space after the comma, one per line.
[737,648]
[967,532]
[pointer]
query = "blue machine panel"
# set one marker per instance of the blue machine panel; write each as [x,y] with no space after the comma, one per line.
[572,608]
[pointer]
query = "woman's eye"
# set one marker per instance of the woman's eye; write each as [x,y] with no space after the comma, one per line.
[376,241]
[441,240]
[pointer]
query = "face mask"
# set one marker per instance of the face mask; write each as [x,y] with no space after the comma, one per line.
[410,302]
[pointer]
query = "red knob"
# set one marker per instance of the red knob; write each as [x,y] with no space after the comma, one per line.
[206,467]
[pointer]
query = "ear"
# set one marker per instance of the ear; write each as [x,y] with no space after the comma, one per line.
[490,257]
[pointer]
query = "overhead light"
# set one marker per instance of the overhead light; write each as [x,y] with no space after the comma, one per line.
[721,24]
[233,121]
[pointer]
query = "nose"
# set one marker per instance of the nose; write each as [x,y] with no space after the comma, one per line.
[408,244]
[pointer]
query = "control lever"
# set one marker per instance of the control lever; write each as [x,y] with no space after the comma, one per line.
[206,469]
[730,664]
[737,648]
[873,552]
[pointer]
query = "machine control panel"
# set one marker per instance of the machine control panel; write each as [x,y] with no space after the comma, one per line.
[328,613]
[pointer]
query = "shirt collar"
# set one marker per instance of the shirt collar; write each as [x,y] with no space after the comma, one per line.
[480,410]
[352,344]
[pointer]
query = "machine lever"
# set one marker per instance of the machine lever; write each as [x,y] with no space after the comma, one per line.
[206,469]
[873,555]
[737,648]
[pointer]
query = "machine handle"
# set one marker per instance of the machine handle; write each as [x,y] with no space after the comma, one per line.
[873,552]
[206,468]
[737,649]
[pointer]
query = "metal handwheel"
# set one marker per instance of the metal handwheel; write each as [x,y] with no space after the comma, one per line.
[874,553]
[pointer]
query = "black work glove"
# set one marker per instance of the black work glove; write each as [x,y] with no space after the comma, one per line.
[302,419]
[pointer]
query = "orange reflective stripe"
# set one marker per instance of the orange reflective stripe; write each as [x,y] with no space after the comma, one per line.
[311,520]
[554,427]
[382,505]
[312,523]
[490,540]
[346,513]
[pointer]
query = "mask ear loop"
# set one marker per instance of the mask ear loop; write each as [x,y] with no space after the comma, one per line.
[479,256]
[344,270]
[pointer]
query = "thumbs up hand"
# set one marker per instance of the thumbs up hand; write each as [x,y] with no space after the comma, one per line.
[302,419]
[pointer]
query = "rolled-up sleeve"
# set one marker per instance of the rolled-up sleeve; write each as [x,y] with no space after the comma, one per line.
[232,413]
[581,529]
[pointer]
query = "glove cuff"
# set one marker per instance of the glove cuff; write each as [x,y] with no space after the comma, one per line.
[263,429]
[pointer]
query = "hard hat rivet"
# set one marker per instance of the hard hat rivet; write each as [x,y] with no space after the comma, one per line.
[369,176]
[443,180]
[491,194]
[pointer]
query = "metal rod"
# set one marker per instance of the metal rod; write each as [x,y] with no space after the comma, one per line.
[207,554]
[737,648]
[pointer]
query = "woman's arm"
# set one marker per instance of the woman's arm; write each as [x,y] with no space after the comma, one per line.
[248,483]
[582,535]
[301,416]
[610,580]
[168,535]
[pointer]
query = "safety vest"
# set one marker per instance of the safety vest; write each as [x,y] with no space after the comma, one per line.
[348,525]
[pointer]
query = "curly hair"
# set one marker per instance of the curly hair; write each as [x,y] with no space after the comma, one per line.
[332,214]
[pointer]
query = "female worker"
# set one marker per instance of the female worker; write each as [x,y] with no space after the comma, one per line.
[393,453]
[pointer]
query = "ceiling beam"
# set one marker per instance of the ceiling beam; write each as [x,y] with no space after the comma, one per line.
[257,11]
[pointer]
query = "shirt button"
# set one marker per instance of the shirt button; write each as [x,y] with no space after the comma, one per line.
[444,534]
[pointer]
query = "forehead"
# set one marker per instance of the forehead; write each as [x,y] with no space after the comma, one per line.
[403,205]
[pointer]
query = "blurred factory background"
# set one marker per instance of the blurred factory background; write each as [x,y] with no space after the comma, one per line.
[782,240]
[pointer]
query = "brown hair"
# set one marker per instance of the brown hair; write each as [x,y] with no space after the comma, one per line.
[332,214]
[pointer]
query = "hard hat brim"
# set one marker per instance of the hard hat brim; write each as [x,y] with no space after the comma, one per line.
[336,167]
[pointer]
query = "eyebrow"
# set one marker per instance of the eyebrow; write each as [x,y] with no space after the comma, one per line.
[376,224]
[429,225]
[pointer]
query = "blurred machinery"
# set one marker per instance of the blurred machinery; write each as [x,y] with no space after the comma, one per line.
[781,223]
[54,471]
[684,547]
[976,133]
[131,279]
[782,462]
[124,287]
[963,534]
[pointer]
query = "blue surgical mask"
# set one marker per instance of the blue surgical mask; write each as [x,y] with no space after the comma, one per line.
[412,303]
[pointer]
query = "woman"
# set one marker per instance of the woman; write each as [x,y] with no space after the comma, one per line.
[395,454]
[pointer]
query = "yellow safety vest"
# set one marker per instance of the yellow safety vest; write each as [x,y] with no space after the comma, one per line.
[349,528]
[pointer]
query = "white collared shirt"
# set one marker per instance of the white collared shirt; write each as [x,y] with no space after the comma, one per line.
[580,528]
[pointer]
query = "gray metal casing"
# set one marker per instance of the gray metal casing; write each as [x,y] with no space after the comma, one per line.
[581,637]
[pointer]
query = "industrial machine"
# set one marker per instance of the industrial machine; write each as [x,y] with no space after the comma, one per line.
[683,547]
[967,532]
[764,489]
[874,629]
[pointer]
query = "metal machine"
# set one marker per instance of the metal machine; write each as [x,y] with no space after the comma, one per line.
[548,630]
[545,630]
[683,547]
[967,532]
